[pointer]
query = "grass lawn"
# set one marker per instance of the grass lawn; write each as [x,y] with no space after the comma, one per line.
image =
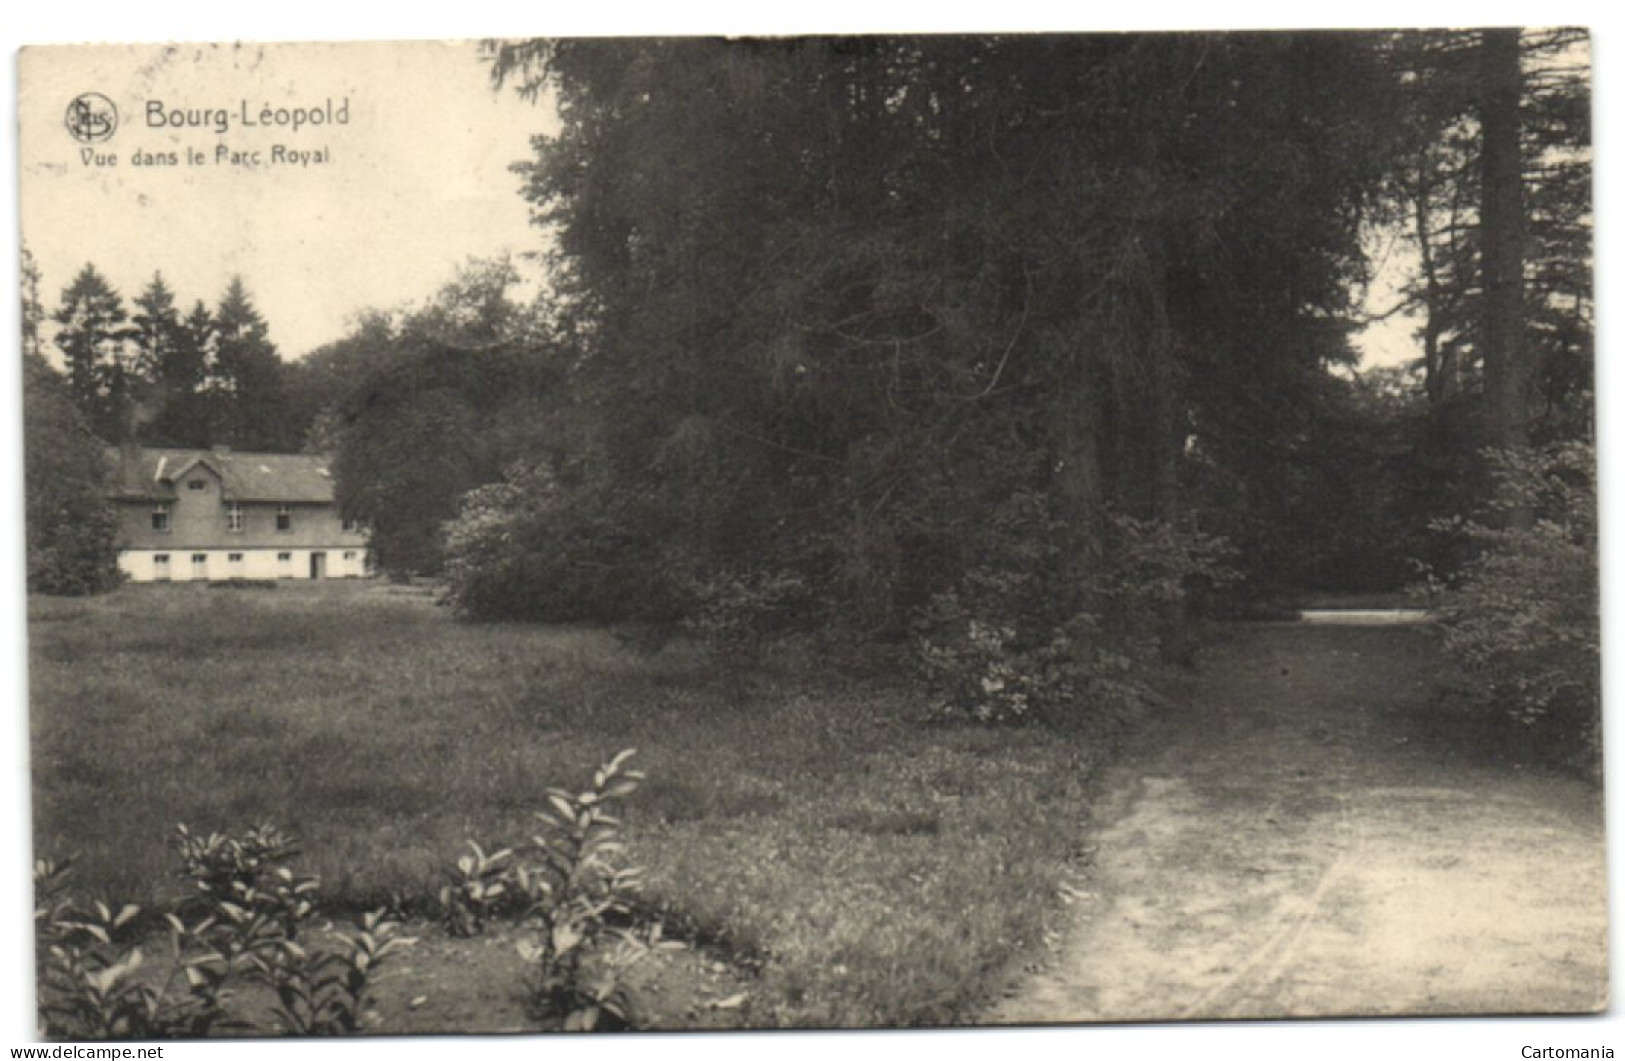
[868,868]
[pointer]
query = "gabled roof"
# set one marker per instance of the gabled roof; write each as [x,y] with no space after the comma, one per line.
[144,473]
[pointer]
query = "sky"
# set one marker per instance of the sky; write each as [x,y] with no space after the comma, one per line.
[408,176]
[317,246]
[1389,341]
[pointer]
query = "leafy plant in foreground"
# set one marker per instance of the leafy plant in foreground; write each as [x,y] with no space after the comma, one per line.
[576,897]
[481,884]
[249,872]
[326,992]
[244,920]
[576,887]
[89,973]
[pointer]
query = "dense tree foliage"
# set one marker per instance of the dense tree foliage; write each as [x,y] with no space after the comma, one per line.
[840,301]
[424,408]
[68,519]
[1522,618]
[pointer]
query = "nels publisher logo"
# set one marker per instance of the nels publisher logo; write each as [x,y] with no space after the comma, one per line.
[91,118]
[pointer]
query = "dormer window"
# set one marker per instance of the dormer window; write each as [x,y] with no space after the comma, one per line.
[234,518]
[284,518]
[197,484]
[160,517]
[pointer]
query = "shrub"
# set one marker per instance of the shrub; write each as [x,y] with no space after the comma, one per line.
[244,921]
[534,547]
[570,889]
[575,888]
[1015,641]
[1160,565]
[249,871]
[249,917]
[86,969]
[1522,617]
[737,612]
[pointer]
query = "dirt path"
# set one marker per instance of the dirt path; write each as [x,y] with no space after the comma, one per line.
[1311,837]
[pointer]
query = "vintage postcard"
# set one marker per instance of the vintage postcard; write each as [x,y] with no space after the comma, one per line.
[655,533]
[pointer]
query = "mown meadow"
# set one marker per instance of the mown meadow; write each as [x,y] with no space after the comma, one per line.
[859,862]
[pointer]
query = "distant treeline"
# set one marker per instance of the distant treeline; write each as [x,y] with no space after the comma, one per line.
[149,373]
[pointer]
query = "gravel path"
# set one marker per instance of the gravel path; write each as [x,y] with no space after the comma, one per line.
[1311,837]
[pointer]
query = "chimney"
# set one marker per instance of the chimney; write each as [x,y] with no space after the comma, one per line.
[129,459]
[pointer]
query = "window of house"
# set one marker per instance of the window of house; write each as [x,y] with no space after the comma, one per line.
[349,554]
[234,517]
[234,564]
[160,565]
[284,563]
[197,484]
[200,564]
[160,518]
[349,526]
[284,518]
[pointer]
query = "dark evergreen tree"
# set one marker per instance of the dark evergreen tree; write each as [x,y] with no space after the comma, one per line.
[93,335]
[187,415]
[155,335]
[245,380]
[156,340]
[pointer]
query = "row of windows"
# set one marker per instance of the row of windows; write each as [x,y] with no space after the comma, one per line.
[234,518]
[201,560]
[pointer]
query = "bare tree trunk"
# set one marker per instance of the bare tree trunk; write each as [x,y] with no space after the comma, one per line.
[1076,489]
[1435,379]
[1168,431]
[1507,373]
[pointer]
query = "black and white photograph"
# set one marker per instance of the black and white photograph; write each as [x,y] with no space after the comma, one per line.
[826,531]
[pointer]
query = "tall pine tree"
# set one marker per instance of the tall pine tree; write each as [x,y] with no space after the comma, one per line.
[250,403]
[93,335]
[173,356]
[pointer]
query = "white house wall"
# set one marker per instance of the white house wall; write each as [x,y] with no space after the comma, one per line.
[144,565]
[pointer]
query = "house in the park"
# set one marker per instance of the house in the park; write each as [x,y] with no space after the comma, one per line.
[188,515]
